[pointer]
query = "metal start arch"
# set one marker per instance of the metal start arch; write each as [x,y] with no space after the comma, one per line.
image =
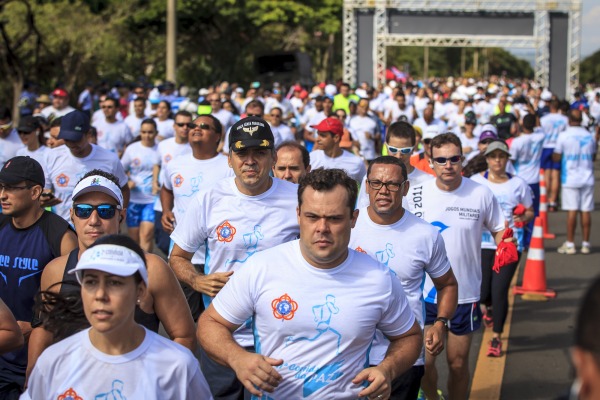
[552,28]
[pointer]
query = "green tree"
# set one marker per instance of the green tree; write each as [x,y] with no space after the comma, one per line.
[589,69]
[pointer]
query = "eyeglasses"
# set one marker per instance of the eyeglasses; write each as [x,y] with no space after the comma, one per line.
[105,211]
[391,186]
[10,188]
[402,150]
[6,126]
[24,133]
[443,160]
[254,115]
[185,125]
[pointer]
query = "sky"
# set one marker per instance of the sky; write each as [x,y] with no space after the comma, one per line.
[590,27]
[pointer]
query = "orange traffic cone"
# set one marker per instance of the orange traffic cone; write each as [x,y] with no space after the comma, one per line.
[534,277]
[544,207]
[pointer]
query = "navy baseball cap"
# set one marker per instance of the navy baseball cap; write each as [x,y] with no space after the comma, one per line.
[22,168]
[74,125]
[251,132]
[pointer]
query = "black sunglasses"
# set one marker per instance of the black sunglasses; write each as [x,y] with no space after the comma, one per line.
[443,160]
[105,211]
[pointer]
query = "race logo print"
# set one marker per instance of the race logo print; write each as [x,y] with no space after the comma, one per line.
[178,180]
[284,307]
[95,182]
[62,180]
[167,158]
[70,394]
[225,232]
[360,250]
[136,162]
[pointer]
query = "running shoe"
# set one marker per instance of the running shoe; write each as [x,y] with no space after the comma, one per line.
[495,349]
[564,249]
[488,321]
[422,395]
[585,249]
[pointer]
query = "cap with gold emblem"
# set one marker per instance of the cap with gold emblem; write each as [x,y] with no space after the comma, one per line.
[251,132]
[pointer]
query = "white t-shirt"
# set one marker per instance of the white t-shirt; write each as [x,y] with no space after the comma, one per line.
[416,178]
[526,155]
[65,170]
[113,136]
[509,194]
[361,126]
[553,124]
[577,146]
[321,322]
[395,112]
[157,369]
[437,125]
[9,146]
[460,216]
[134,124]
[140,161]
[187,175]
[226,118]
[282,133]
[353,165]
[51,113]
[236,227]
[410,248]
[169,150]
[38,155]
[165,128]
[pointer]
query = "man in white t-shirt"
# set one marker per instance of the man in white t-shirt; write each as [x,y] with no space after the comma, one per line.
[400,143]
[293,162]
[330,155]
[60,105]
[553,124]
[428,120]
[281,131]
[113,135]
[576,151]
[460,209]
[423,251]
[134,120]
[236,218]
[171,149]
[187,175]
[312,117]
[67,164]
[364,129]
[10,142]
[306,298]
[398,108]
[225,117]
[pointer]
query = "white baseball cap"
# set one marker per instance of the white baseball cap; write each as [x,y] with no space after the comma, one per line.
[112,259]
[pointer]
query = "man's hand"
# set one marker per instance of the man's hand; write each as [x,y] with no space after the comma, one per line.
[380,384]
[211,284]
[47,199]
[256,372]
[167,220]
[435,339]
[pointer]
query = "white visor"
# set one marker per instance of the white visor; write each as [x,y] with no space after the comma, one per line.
[112,259]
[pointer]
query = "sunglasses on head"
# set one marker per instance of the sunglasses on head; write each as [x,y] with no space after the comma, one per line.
[402,150]
[443,160]
[105,211]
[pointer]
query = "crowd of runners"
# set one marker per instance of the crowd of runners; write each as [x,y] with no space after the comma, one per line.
[294,242]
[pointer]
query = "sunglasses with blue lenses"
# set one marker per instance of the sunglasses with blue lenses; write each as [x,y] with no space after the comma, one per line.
[443,160]
[402,150]
[105,211]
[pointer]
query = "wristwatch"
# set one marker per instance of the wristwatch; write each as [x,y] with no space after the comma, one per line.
[444,321]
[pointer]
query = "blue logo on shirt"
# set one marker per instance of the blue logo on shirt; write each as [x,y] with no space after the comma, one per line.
[440,225]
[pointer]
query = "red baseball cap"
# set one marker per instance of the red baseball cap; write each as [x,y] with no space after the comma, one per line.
[60,93]
[330,124]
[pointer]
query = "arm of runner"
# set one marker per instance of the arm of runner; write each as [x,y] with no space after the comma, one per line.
[170,305]
[402,353]
[181,263]
[68,242]
[10,334]
[255,371]
[167,201]
[155,175]
[447,299]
